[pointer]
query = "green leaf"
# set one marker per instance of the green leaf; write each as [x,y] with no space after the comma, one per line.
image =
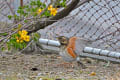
[20,7]
[33,9]
[9,17]
[35,14]
[14,35]
[28,9]
[21,46]
[25,21]
[63,4]
[9,45]
[24,44]
[3,48]
[47,13]
[35,39]
[26,6]
[16,17]
[44,5]
[33,3]
[39,3]
[37,35]
[12,40]
[21,11]
[17,45]
[4,34]
[25,14]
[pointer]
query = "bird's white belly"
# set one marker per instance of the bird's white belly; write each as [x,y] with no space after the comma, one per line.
[66,56]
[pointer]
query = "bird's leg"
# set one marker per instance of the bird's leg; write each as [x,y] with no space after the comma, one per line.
[81,64]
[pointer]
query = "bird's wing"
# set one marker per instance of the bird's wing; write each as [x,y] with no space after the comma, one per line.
[80,44]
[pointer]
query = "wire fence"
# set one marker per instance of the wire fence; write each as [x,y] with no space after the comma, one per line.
[98,20]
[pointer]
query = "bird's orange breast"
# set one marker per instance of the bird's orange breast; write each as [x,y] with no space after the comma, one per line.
[71,47]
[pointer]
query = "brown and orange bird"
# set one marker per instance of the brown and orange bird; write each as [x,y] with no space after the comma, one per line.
[71,48]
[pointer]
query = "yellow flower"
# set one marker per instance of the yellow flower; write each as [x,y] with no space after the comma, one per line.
[17,41]
[50,7]
[24,32]
[53,11]
[39,11]
[22,37]
[27,38]
[19,32]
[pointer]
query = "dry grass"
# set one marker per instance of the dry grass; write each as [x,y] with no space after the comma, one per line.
[114,77]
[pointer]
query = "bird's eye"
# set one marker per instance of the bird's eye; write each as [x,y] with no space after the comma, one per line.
[63,40]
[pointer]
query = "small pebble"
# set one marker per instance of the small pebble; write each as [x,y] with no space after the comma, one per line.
[58,79]
[92,74]
[39,74]
[1,73]
[34,69]
[40,79]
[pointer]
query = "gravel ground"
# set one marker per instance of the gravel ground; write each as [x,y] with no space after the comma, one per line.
[29,66]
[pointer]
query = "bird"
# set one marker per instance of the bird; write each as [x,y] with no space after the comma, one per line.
[71,48]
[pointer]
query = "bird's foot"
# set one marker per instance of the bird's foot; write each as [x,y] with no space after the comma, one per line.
[81,64]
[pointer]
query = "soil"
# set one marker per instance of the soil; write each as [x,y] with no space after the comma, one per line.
[28,66]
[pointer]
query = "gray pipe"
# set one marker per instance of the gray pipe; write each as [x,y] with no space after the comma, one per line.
[89,51]
[102,52]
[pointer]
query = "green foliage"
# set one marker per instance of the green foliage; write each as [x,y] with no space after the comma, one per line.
[61,3]
[15,40]
[9,17]
[32,9]
[16,17]
[35,36]
[3,34]
[13,44]
[18,40]
[47,13]
[3,48]
[25,21]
